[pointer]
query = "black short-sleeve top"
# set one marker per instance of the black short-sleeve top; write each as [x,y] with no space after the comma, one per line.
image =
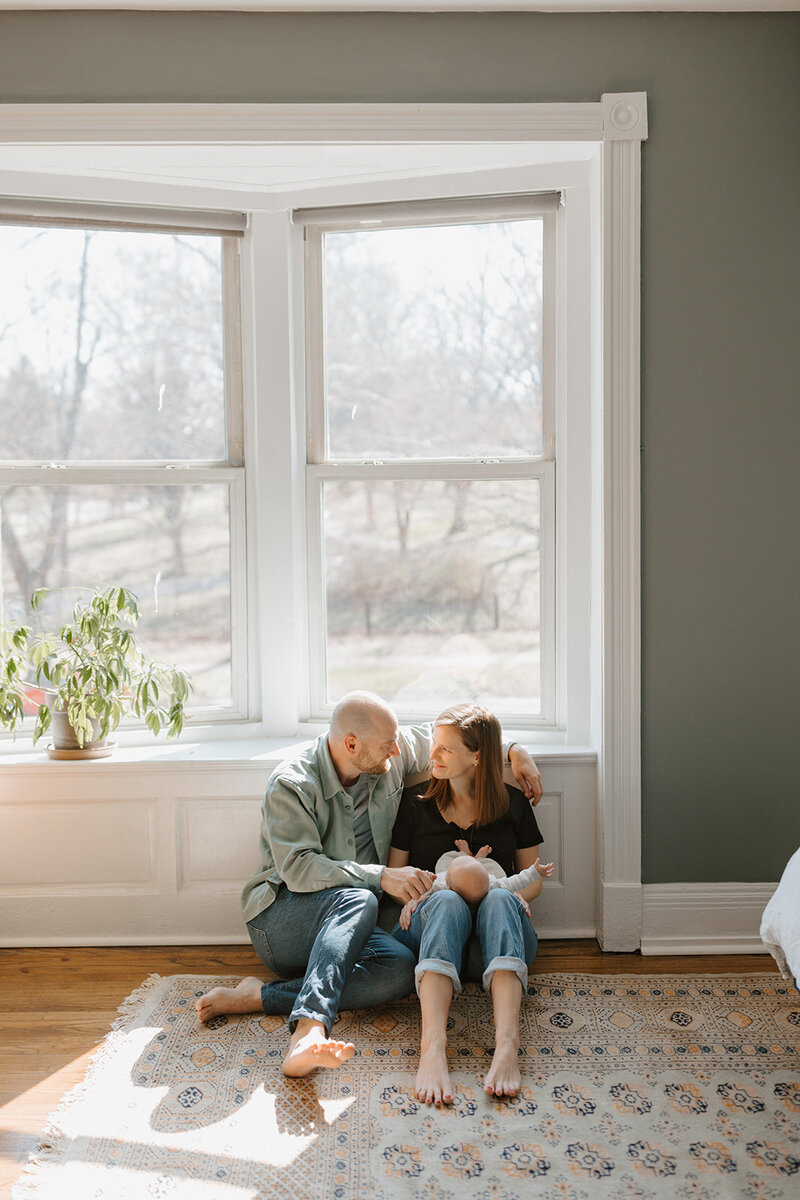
[422,830]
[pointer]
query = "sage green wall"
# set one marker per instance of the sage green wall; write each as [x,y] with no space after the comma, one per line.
[721,346]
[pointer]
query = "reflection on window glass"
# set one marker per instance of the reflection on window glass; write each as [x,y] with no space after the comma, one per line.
[432,592]
[170,544]
[433,341]
[111,345]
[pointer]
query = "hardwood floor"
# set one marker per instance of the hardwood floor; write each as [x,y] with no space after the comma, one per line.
[57,1004]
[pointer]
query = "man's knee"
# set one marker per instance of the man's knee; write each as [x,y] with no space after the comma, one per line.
[353,902]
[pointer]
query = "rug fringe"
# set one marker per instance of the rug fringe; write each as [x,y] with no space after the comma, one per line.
[51,1150]
[129,1007]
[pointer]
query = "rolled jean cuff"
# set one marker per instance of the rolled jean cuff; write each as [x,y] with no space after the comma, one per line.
[505,962]
[440,966]
[301,1014]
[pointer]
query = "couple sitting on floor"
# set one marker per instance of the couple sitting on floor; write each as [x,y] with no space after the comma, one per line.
[337,831]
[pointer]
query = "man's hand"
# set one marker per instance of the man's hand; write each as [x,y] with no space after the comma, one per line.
[526,773]
[406,883]
[523,902]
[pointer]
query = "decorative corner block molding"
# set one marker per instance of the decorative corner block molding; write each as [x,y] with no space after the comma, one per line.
[625,116]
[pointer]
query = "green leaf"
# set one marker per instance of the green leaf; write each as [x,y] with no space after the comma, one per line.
[37,597]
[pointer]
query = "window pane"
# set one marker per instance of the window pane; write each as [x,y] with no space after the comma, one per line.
[110,345]
[433,341]
[432,592]
[170,545]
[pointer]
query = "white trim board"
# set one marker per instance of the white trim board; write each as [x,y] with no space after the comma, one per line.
[704,918]
[617,123]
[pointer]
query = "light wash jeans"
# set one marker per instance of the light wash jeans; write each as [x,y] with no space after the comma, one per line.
[326,946]
[442,924]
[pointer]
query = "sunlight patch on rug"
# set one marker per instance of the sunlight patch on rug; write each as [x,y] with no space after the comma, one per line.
[676,1087]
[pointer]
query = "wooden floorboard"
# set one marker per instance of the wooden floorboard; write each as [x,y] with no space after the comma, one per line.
[56,1005]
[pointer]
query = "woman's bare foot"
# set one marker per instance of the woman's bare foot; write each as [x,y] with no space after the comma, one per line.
[244,998]
[311,1047]
[433,1078]
[503,1078]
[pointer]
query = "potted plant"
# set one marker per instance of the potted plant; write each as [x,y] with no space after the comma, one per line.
[92,675]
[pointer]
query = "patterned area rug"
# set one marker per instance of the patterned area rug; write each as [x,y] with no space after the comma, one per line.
[633,1086]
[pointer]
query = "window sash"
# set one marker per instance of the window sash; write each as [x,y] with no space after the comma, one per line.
[232,377]
[320,468]
[477,212]
[229,227]
[542,471]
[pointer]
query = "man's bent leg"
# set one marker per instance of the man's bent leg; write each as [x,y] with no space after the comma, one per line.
[285,936]
[346,922]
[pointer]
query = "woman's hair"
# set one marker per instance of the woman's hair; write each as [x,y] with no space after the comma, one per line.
[479,731]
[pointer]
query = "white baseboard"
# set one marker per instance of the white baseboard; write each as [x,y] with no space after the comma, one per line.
[703,918]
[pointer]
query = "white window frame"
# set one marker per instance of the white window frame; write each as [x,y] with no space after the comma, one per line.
[616,124]
[230,470]
[320,467]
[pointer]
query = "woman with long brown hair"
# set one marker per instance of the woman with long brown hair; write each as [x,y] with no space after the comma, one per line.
[467,801]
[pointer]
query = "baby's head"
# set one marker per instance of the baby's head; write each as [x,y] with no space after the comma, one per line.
[468,877]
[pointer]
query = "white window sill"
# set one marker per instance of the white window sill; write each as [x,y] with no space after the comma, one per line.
[249,753]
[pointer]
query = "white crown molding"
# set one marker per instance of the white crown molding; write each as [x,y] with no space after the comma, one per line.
[704,918]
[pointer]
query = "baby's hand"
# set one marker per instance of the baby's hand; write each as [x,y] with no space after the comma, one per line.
[407,912]
[545,869]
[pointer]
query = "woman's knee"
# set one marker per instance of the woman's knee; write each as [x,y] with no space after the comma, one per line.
[446,904]
[500,900]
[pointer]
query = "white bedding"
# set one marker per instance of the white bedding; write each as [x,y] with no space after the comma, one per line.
[780,924]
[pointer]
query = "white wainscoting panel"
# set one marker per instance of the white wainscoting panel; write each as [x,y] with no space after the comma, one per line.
[217,855]
[117,852]
[102,845]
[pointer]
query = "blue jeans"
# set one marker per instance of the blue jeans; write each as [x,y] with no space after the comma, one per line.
[443,922]
[326,946]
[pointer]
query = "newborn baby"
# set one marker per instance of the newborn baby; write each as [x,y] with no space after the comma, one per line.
[472,877]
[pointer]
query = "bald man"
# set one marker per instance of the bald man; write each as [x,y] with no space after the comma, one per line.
[327,820]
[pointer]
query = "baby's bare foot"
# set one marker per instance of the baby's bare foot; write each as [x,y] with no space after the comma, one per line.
[433,1078]
[310,1048]
[503,1078]
[244,998]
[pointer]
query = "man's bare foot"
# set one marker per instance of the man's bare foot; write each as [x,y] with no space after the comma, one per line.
[244,998]
[433,1078]
[310,1048]
[503,1078]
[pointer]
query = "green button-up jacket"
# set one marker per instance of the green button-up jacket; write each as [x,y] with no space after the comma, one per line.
[307,839]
